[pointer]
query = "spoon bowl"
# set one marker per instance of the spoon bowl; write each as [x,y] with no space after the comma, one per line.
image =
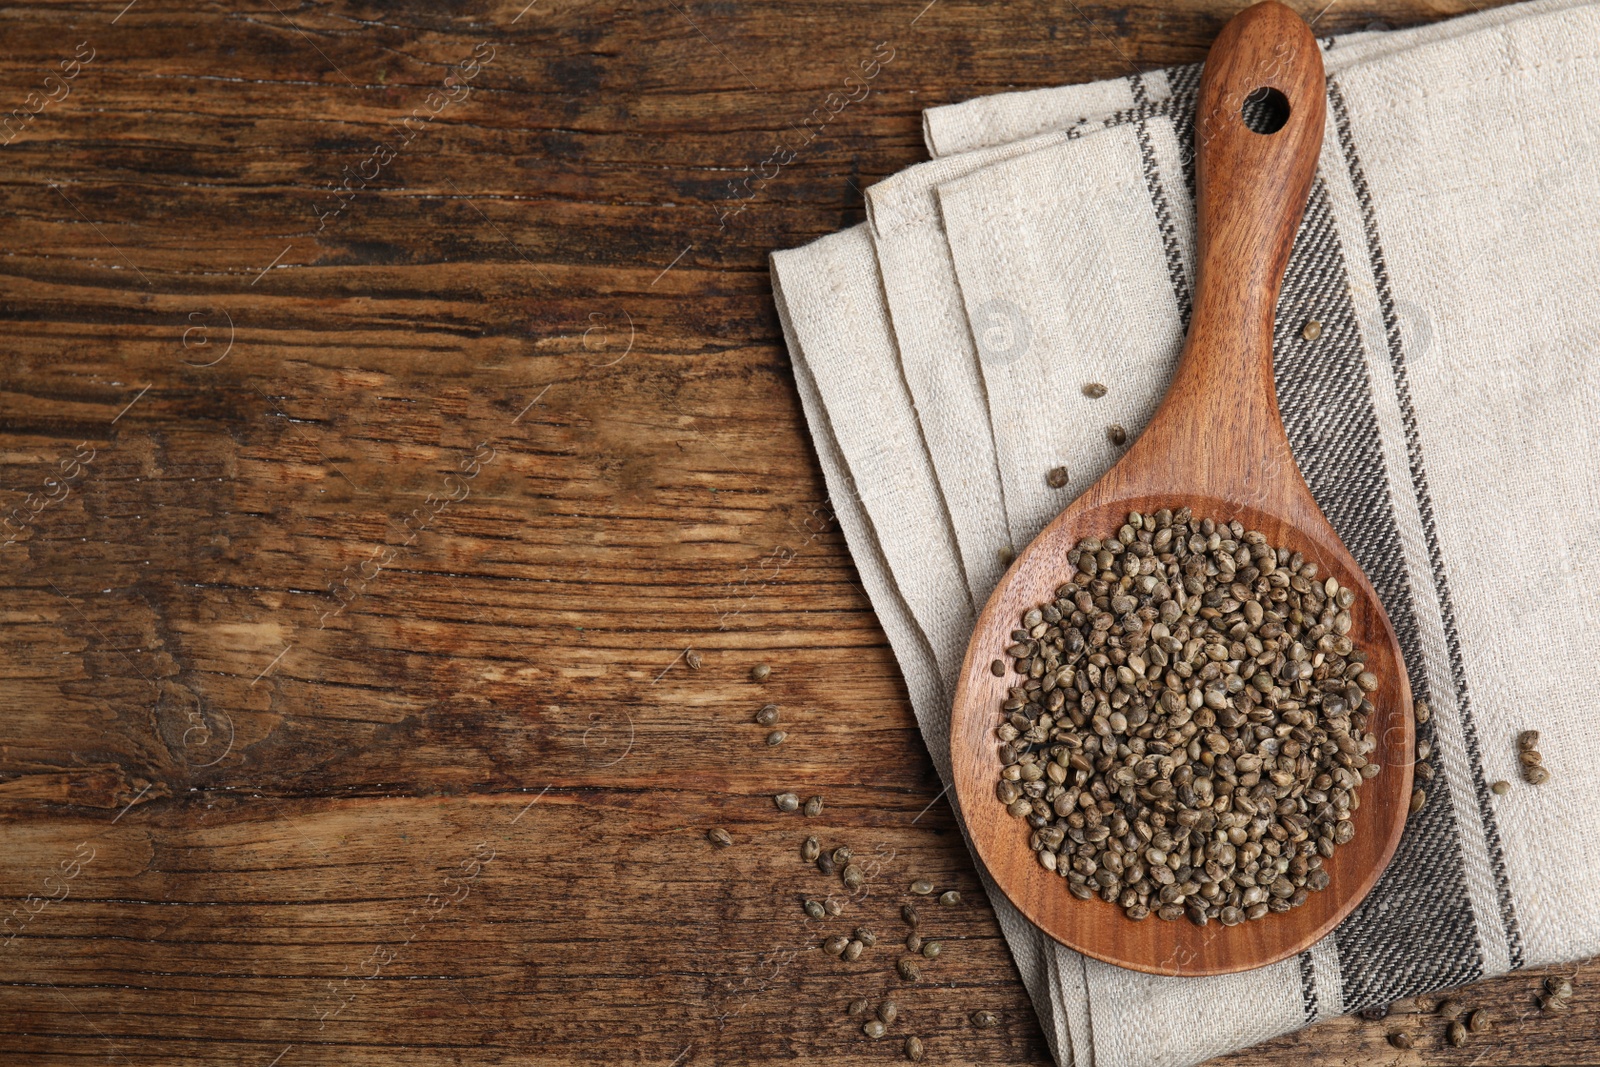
[1217,446]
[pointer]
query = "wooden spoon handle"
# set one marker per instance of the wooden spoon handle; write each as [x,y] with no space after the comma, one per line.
[1252,190]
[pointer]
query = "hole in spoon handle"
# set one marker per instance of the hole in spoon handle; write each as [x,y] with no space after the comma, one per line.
[1264,73]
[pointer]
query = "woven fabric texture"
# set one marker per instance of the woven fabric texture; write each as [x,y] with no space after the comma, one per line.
[1444,418]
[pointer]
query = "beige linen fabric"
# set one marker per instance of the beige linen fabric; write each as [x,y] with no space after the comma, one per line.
[1448,250]
[991,120]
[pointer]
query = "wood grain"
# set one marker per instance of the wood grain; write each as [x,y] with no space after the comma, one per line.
[269,826]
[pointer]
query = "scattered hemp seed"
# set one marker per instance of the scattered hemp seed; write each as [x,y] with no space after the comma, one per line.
[835,945]
[913,942]
[931,949]
[1402,1039]
[1424,748]
[908,912]
[1187,723]
[842,854]
[776,738]
[858,1007]
[914,1048]
[853,950]
[868,938]
[833,907]
[908,969]
[786,801]
[692,658]
[984,1020]
[760,672]
[810,849]
[922,887]
[814,909]
[813,807]
[874,1029]
[888,1011]
[1424,771]
[1116,434]
[998,668]
[1418,799]
[719,837]
[1457,1034]
[1094,390]
[1006,554]
[1533,771]
[950,898]
[1500,788]
[852,877]
[1451,1009]
[1376,1013]
[1057,478]
[1311,330]
[1480,1022]
[1420,711]
[825,863]
[1558,986]
[767,715]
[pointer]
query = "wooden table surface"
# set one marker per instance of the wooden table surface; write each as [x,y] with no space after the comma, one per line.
[361,504]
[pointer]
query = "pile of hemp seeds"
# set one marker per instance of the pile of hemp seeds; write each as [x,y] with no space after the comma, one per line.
[1188,728]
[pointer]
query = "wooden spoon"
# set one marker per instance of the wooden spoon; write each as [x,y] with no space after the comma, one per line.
[1218,446]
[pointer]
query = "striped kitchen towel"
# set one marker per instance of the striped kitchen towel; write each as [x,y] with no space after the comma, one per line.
[1445,418]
